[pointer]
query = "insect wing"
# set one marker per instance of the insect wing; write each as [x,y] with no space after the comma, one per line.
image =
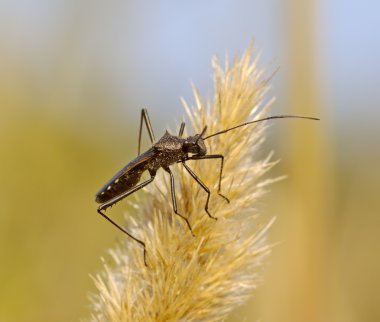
[140,159]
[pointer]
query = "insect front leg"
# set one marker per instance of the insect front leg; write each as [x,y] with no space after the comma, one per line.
[174,200]
[214,156]
[145,118]
[203,186]
[111,202]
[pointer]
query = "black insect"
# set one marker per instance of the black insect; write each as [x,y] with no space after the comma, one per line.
[166,151]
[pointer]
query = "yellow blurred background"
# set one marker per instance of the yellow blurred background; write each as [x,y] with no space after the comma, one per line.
[73,78]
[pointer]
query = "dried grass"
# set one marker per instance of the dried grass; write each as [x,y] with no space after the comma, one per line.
[198,278]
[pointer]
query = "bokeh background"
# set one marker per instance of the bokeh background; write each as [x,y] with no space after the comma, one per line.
[73,78]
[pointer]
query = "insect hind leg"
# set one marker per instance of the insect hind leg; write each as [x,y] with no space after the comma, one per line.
[125,232]
[116,199]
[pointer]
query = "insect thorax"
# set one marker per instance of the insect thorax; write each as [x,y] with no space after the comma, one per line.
[169,143]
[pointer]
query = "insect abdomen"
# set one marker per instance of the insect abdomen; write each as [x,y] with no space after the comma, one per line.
[119,185]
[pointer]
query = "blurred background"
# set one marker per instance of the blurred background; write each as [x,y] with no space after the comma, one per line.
[73,78]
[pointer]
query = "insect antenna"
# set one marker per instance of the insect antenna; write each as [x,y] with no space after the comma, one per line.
[259,120]
[200,135]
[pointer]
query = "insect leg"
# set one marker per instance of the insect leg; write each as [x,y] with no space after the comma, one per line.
[109,203]
[181,129]
[203,186]
[145,118]
[214,156]
[174,200]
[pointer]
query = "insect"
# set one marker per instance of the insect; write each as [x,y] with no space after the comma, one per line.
[168,150]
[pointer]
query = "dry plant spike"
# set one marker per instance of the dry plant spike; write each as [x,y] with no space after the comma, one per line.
[199,278]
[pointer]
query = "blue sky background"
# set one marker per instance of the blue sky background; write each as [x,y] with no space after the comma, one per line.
[156,48]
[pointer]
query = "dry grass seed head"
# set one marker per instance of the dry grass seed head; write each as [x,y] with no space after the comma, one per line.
[198,278]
